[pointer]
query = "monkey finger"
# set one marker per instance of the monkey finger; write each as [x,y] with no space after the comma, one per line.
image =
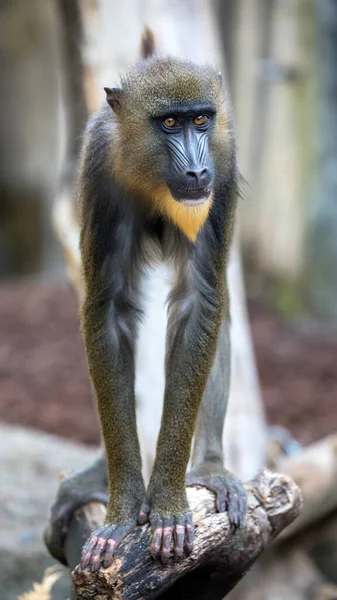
[179,536]
[156,542]
[231,514]
[243,509]
[110,548]
[95,561]
[189,537]
[166,544]
[221,501]
[88,550]
[224,504]
[234,510]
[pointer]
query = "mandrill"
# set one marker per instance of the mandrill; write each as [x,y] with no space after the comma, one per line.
[158,183]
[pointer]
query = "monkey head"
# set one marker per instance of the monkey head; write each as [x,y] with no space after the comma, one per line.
[173,136]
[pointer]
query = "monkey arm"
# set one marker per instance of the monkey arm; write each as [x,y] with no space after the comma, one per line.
[109,318]
[110,355]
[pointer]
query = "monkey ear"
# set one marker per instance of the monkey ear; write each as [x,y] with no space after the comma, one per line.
[220,76]
[114,97]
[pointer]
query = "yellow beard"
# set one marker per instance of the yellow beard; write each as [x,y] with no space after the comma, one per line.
[189,219]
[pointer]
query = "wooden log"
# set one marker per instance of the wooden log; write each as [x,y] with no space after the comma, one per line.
[220,556]
[305,552]
[315,471]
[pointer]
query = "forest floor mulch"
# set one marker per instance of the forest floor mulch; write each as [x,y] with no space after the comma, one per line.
[44,382]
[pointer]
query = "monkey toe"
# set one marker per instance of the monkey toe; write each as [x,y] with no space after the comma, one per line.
[93,551]
[236,500]
[237,507]
[171,536]
[100,547]
[229,491]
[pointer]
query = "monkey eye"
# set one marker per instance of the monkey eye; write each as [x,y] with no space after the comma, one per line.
[200,120]
[171,122]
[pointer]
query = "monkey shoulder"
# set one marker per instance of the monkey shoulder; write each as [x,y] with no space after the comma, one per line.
[100,132]
[97,150]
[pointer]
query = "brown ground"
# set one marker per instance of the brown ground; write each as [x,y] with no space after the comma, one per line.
[44,382]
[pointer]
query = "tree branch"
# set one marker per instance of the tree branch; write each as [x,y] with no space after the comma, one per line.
[220,557]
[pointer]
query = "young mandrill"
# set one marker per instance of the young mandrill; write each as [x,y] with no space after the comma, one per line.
[158,183]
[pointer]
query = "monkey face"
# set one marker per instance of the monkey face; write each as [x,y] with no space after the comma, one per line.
[187,165]
[172,136]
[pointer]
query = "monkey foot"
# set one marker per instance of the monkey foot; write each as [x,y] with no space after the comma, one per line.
[170,533]
[100,548]
[229,491]
[71,496]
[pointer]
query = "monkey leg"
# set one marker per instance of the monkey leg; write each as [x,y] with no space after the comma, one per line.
[110,352]
[207,459]
[88,485]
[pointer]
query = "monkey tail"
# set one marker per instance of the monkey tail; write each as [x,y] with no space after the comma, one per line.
[148,45]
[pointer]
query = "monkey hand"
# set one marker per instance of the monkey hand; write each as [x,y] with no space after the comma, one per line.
[75,491]
[122,514]
[229,491]
[171,523]
[100,547]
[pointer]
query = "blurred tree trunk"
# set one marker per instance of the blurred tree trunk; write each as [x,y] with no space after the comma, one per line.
[71,37]
[43,112]
[276,136]
[274,89]
[283,77]
[31,136]
[274,67]
[321,269]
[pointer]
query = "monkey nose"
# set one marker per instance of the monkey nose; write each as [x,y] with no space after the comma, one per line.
[200,176]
